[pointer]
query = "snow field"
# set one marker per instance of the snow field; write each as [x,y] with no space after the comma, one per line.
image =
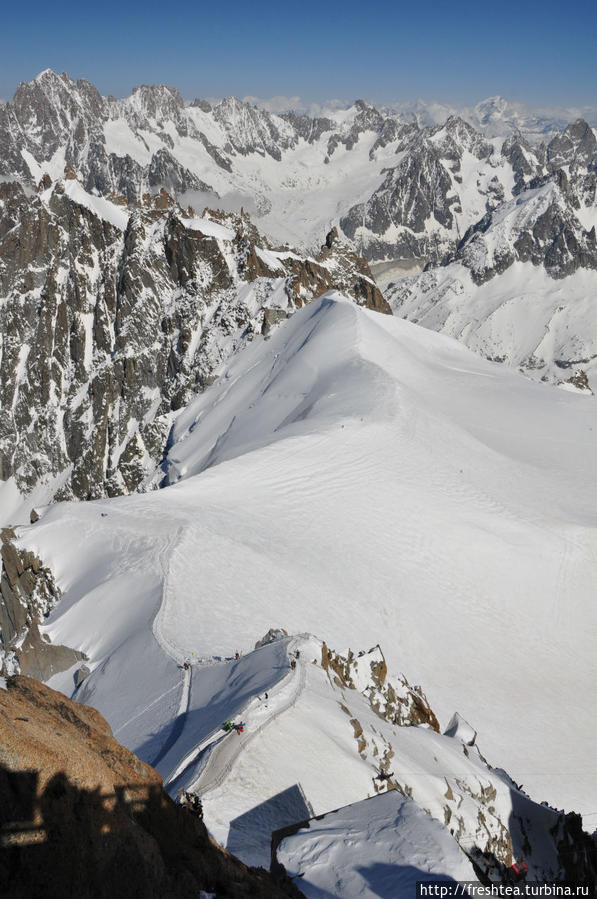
[376,849]
[368,481]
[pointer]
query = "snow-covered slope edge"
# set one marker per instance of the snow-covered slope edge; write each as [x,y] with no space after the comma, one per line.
[357,475]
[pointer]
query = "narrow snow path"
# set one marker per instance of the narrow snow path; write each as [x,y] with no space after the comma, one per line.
[165,557]
[223,754]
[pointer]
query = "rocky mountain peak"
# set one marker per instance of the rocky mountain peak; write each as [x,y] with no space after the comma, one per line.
[456,136]
[158,101]
[253,130]
[576,145]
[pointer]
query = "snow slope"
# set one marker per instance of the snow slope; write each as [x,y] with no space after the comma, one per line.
[522,317]
[363,479]
[392,845]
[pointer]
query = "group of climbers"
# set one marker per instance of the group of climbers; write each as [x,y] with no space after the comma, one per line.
[229,725]
[240,726]
[186,664]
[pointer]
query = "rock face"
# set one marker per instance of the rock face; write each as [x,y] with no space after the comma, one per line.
[28,593]
[81,815]
[539,227]
[115,317]
[398,703]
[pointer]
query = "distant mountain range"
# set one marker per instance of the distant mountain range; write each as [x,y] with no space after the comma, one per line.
[121,300]
[403,184]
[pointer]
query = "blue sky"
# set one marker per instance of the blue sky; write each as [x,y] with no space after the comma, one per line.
[540,53]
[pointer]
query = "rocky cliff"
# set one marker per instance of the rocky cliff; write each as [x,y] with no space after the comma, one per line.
[114,317]
[28,593]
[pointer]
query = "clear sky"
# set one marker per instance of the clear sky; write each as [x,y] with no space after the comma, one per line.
[539,52]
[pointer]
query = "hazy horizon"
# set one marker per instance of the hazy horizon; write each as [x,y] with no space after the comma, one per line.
[279,103]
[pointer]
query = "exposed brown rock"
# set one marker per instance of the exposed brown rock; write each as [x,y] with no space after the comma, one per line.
[400,703]
[163,200]
[118,199]
[12,563]
[580,380]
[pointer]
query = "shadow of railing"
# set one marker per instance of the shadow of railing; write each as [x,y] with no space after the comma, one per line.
[60,840]
[23,811]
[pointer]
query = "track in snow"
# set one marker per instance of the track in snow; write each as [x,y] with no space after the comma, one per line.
[224,753]
[179,721]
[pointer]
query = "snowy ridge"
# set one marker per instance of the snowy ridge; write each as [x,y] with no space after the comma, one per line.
[445,522]
[115,317]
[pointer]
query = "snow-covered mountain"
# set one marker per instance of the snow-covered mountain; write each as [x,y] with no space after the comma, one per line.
[498,117]
[353,475]
[402,193]
[399,188]
[520,289]
[113,317]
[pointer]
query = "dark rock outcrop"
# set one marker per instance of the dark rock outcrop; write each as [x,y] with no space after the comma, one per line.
[28,593]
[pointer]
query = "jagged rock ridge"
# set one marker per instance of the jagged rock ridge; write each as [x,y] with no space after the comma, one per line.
[424,184]
[115,317]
